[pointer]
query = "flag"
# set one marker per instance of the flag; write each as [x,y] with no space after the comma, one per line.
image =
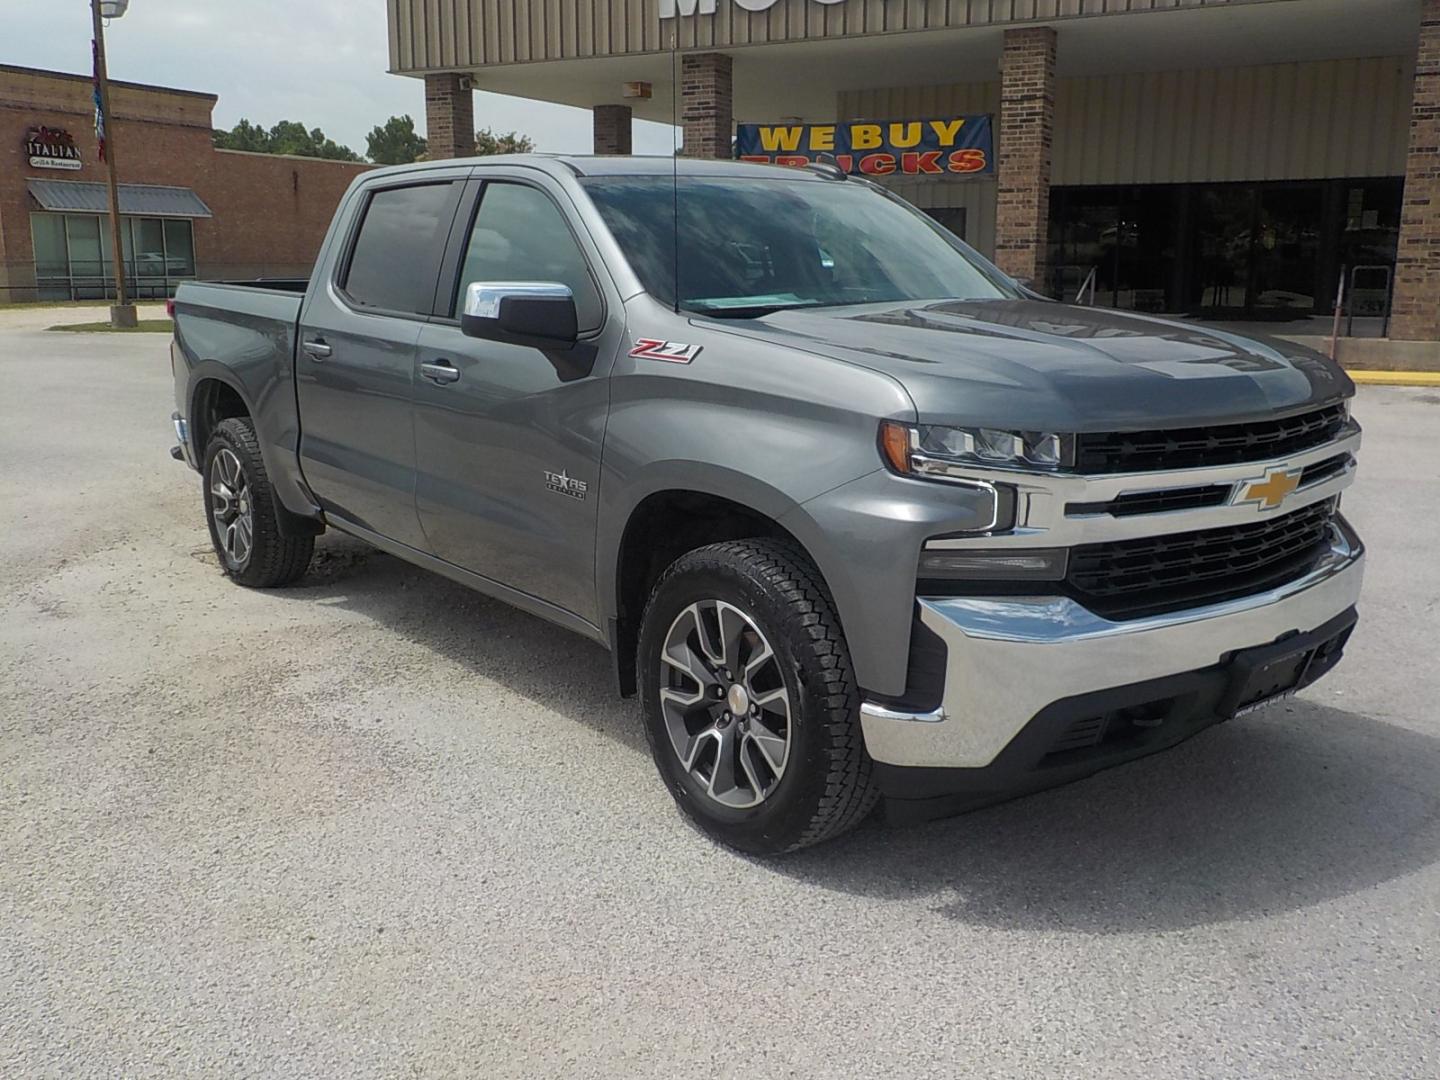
[99,109]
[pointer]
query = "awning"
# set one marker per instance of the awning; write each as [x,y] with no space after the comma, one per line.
[140,200]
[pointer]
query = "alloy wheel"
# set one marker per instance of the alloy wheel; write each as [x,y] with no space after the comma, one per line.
[232,508]
[726,709]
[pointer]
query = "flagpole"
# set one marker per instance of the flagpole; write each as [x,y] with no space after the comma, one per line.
[122,313]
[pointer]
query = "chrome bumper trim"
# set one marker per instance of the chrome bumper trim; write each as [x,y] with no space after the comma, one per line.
[1010,657]
[182,439]
[1042,500]
[880,712]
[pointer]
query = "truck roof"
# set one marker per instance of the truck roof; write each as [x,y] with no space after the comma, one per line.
[633,165]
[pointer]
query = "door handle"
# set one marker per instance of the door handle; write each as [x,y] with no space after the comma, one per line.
[317,348]
[440,371]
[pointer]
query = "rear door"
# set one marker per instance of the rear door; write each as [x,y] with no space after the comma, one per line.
[508,439]
[355,365]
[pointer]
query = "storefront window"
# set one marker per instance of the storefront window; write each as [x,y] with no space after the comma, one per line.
[1119,241]
[52,264]
[179,248]
[148,266]
[1242,251]
[1286,255]
[87,258]
[1369,241]
[73,261]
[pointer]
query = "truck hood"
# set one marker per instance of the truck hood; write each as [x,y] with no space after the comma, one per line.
[1035,365]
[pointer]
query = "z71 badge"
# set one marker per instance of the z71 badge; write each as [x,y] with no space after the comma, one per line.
[672,352]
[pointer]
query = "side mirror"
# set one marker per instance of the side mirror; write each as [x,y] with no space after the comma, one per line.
[540,314]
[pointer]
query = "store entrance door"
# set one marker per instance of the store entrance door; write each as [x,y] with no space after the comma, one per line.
[1286,261]
[1224,218]
[1257,250]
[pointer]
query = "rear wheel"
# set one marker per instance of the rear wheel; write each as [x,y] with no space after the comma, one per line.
[242,512]
[750,704]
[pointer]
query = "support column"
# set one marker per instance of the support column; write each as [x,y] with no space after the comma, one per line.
[707,111]
[613,128]
[449,116]
[1027,122]
[1415,314]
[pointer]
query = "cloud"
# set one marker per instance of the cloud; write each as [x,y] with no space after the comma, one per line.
[321,62]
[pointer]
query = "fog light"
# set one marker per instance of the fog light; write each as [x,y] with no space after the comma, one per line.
[1034,564]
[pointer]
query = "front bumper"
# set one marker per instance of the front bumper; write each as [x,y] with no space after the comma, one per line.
[1013,662]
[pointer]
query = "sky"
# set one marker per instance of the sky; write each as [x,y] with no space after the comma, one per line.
[321,62]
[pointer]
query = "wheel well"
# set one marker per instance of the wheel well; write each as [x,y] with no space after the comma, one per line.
[662,528]
[214,401]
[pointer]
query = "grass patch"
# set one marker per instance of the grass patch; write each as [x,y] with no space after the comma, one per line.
[145,326]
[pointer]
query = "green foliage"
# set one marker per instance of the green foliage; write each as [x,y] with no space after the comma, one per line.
[395,143]
[286,137]
[488,142]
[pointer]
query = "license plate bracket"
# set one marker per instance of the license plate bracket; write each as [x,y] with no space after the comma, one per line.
[1265,674]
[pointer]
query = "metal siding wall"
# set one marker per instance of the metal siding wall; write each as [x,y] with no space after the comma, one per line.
[444,34]
[1274,122]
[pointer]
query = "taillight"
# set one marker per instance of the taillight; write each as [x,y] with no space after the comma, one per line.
[170,309]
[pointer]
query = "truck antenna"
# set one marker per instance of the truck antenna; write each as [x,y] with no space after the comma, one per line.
[674,149]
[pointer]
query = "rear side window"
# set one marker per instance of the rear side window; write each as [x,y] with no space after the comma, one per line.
[520,235]
[397,253]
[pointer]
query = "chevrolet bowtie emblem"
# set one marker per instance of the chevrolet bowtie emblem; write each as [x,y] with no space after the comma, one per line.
[1270,490]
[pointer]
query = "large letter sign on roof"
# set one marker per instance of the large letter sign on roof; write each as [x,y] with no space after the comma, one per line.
[670,8]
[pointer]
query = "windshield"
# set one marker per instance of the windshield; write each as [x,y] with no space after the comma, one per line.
[749,247]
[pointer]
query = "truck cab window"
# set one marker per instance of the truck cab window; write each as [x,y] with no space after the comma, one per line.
[520,235]
[394,263]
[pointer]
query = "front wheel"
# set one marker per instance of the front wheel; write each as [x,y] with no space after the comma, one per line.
[750,704]
[242,512]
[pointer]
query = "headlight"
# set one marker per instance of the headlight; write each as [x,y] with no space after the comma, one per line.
[944,452]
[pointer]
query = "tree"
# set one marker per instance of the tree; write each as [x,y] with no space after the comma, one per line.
[512,142]
[286,137]
[244,136]
[395,143]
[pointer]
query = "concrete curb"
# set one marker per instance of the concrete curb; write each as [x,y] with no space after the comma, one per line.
[1395,378]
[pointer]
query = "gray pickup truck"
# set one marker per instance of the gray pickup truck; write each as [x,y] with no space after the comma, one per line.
[859,517]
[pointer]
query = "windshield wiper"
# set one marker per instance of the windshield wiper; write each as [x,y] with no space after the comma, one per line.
[752,311]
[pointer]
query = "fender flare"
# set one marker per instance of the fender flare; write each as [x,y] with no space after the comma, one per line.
[290,522]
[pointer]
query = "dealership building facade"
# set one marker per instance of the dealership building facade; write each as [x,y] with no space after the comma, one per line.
[187,209]
[1220,158]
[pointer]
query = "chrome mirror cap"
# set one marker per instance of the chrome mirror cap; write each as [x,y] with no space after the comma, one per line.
[538,314]
[483,298]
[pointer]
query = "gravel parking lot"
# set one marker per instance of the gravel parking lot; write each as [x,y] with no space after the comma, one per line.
[377,826]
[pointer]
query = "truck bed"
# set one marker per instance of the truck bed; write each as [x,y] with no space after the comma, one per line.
[244,334]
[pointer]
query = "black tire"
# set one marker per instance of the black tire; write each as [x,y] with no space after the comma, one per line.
[826,787]
[270,559]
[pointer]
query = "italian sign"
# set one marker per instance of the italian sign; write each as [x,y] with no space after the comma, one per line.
[961,145]
[51,148]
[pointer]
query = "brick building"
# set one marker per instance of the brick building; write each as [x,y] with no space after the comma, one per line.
[1218,158]
[188,209]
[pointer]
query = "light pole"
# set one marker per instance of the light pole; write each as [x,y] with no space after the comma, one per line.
[122,312]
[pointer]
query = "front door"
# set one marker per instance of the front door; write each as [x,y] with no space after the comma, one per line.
[508,437]
[355,362]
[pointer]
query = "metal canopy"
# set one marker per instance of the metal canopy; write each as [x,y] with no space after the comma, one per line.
[139,200]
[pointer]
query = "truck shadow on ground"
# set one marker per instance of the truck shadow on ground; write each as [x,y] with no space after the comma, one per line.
[1276,813]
